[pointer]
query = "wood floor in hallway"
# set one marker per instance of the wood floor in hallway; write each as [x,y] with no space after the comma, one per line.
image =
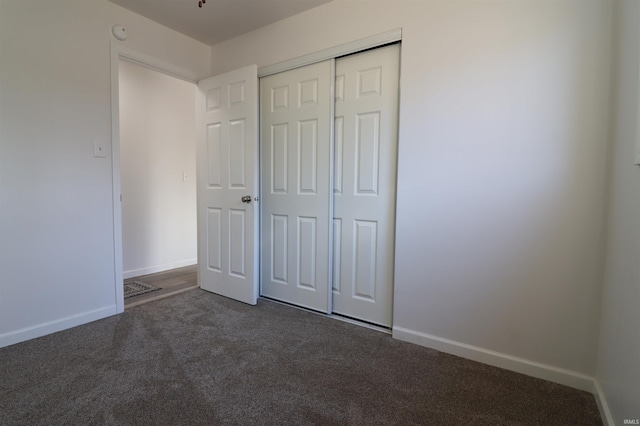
[170,282]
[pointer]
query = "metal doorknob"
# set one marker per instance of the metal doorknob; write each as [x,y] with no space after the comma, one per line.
[246,199]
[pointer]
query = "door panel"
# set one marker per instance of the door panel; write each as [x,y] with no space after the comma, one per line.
[366,112]
[227,171]
[296,114]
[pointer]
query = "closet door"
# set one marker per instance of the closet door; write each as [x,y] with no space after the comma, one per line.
[296,118]
[366,138]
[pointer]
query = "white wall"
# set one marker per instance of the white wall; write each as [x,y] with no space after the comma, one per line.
[157,145]
[502,169]
[56,212]
[618,370]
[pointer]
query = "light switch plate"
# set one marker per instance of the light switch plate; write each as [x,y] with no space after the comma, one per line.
[99,149]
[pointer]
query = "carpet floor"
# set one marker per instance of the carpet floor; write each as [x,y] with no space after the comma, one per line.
[200,359]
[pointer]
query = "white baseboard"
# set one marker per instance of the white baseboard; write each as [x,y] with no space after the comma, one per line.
[601,400]
[497,359]
[40,330]
[159,268]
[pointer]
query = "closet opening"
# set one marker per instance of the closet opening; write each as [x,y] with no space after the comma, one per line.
[328,160]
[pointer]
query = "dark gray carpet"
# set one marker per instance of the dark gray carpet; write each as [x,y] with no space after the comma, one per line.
[200,359]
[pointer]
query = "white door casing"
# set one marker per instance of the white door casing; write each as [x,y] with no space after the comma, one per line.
[227,170]
[365,156]
[296,151]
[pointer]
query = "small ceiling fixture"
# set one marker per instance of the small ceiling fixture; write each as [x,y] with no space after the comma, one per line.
[201,2]
[119,32]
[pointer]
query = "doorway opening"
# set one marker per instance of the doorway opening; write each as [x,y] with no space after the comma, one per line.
[157,181]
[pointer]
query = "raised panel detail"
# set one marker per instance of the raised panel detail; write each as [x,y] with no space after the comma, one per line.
[307,252]
[337,253]
[236,153]
[339,88]
[214,140]
[279,156]
[279,98]
[368,144]
[307,156]
[237,224]
[308,93]
[214,221]
[236,94]
[369,82]
[279,248]
[364,247]
[214,101]
[338,154]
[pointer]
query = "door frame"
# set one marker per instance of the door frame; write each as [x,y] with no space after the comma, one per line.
[119,52]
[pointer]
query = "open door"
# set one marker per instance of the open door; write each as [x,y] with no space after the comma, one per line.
[227,185]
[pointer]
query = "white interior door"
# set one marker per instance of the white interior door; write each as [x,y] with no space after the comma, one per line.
[366,133]
[296,117]
[227,169]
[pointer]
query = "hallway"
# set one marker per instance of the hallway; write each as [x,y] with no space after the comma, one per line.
[170,282]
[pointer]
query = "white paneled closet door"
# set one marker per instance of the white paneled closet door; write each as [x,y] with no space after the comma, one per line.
[304,208]
[366,139]
[296,150]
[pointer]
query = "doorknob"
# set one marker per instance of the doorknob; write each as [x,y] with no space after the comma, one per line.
[246,199]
